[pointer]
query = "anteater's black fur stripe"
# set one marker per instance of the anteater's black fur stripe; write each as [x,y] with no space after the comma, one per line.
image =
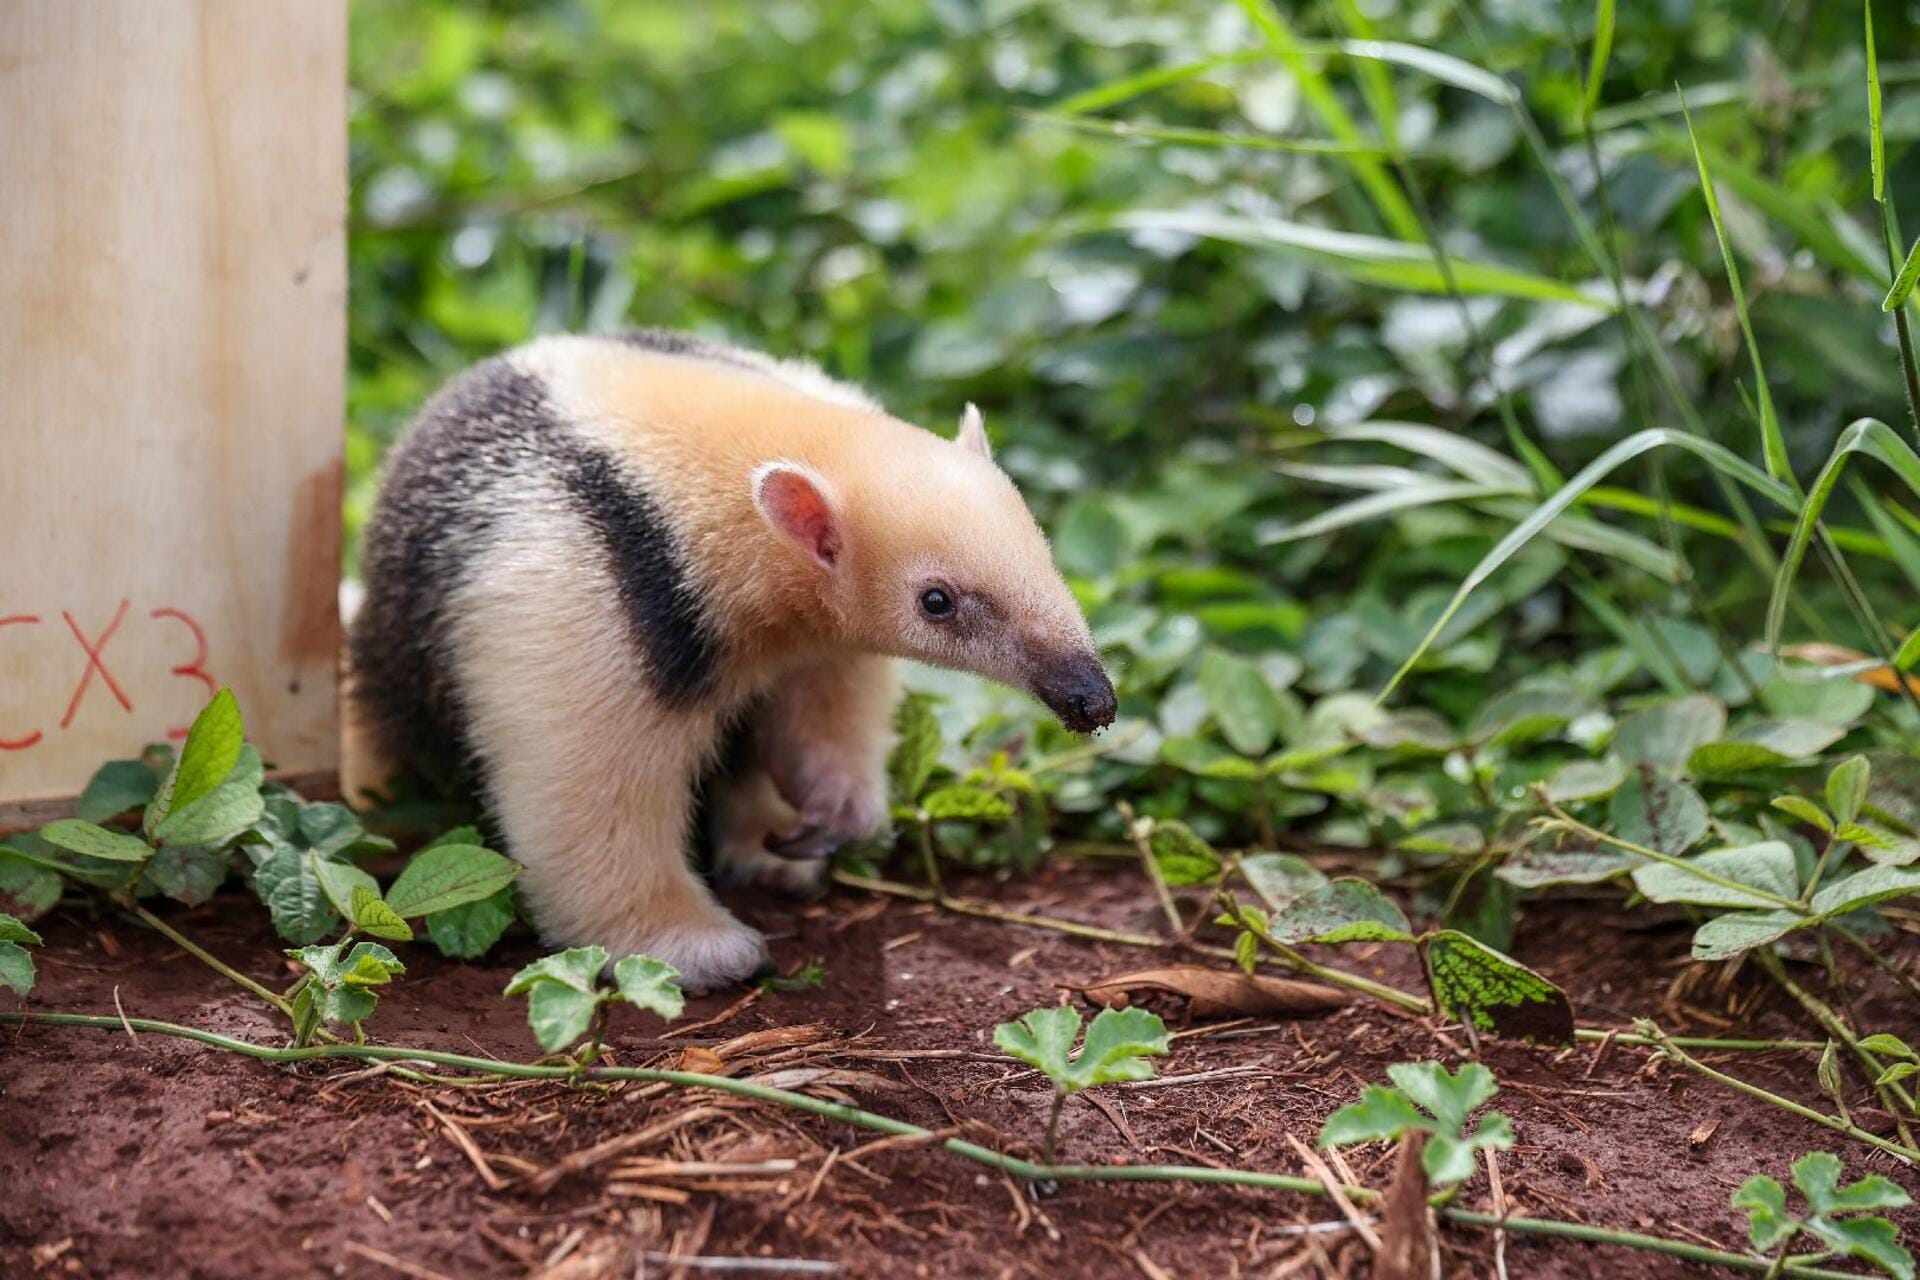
[443,504]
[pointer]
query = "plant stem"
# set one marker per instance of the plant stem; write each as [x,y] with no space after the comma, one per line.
[207,958]
[1292,959]
[1140,831]
[1819,869]
[1906,1155]
[1053,1126]
[1837,1027]
[928,861]
[886,1124]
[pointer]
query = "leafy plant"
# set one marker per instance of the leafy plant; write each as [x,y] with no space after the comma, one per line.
[565,999]
[16,963]
[1117,1047]
[1427,1098]
[339,985]
[1833,1217]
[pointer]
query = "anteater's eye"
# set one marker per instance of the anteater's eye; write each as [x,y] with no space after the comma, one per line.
[936,603]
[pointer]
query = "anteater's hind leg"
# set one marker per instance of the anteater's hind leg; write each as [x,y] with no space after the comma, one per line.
[591,778]
[816,775]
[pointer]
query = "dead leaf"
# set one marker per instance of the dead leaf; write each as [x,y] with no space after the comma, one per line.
[1217,993]
[704,1061]
[1702,1132]
[1407,1247]
[1834,655]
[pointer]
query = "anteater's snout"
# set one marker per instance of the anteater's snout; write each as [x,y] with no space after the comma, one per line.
[1077,690]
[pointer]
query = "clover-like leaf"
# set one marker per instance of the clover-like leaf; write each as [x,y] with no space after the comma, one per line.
[370,914]
[211,750]
[1182,857]
[1805,810]
[1755,875]
[1658,811]
[1116,1048]
[217,816]
[1344,910]
[1765,1201]
[562,993]
[651,985]
[1428,1098]
[1817,1174]
[1847,789]
[117,787]
[469,932]
[79,836]
[339,982]
[966,804]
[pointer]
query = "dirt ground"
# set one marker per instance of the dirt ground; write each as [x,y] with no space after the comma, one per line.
[156,1157]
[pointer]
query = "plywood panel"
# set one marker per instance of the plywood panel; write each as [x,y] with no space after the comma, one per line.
[172,330]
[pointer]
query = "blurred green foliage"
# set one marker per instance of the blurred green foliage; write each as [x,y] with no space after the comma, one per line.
[1172,351]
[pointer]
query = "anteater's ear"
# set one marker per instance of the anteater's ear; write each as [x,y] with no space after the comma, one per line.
[973,433]
[798,504]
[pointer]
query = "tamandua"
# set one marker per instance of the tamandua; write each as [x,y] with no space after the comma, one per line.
[596,560]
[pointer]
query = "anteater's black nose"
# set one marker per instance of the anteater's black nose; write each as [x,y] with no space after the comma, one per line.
[1076,689]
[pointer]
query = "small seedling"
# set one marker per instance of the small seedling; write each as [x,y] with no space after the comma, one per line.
[565,998]
[1873,1240]
[1118,1044]
[16,965]
[1425,1097]
[338,987]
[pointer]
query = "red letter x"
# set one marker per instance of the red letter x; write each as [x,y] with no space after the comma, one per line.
[94,663]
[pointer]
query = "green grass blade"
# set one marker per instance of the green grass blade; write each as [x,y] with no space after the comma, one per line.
[1636,503]
[1115,92]
[1584,534]
[1877,137]
[1443,67]
[1902,547]
[1634,637]
[1464,457]
[1201,137]
[1903,282]
[1392,264]
[1376,82]
[1773,440]
[1721,459]
[1876,440]
[1909,651]
[1373,506]
[1602,51]
[1314,87]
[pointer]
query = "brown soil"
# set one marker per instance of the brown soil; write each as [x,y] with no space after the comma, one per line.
[159,1157]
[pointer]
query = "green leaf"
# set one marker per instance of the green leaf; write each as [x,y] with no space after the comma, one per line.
[371,915]
[1494,992]
[1864,888]
[16,967]
[1767,870]
[335,830]
[1183,857]
[562,990]
[1805,810]
[1538,866]
[286,882]
[576,967]
[1522,715]
[339,880]
[1579,780]
[1724,937]
[1117,1045]
[1765,1201]
[1242,702]
[449,875]
[1449,1098]
[1667,733]
[966,804]
[560,1015]
[1764,744]
[1873,1240]
[15,930]
[340,983]
[1817,1174]
[1876,132]
[26,890]
[211,751]
[222,813]
[1903,283]
[1894,1074]
[1658,811]
[116,788]
[188,873]
[1884,1043]
[1281,878]
[1380,1115]
[469,932]
[650,984]
[78,836]
[916,748]
[1597,64]
[1344,910]
[1847,789]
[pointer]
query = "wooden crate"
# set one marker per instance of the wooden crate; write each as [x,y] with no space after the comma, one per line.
[172,366]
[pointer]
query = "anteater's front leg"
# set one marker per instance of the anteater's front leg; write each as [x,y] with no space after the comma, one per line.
[817,773]
[590,777]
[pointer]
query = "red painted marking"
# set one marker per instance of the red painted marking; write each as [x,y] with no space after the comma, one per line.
[197,669]
[20,744]
[94,664]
